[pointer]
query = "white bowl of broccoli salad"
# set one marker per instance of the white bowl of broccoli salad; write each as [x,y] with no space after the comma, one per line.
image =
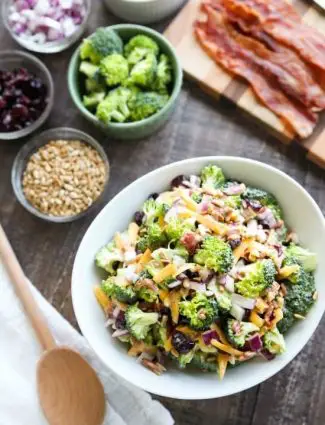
[203,269]
[125,79]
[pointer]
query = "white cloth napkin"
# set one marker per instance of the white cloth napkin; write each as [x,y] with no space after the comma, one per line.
[19,352]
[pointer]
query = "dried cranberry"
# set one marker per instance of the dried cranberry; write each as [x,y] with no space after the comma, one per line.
[138,217]
[3,103]
[177,181]
[254,204]
[19,111]
[120,322]
[191,275]
[234,243]
[182,343]
[153,196]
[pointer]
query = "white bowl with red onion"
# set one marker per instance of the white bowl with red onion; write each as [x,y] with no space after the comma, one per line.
[301,214]
[46,26]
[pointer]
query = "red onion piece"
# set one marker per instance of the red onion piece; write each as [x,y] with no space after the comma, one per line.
[109,322]
[120,332]
[235,189]
[255,343]
[237,312]
[243,302]
[266,218]
[267,355]
[230,284]
[174,284]
[198,287]
[116,312]
[208,336]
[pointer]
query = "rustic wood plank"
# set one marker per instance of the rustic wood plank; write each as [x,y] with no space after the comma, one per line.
[199,126]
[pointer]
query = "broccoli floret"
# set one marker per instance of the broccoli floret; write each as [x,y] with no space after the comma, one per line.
[143,243]
[224,302]
[298,277]
[145,104]
[287,321]
[260,195]
[88,69]
[156,236]
[94,84]
[176,228]
[125,294]
[239,332]
[144,72]
[307,259]
[160,334]
[215,254]
[164,74]
[114,106]
[184,359]
[274,342]
[143,42]
[102,43]
[212,177]
[200,360]
[138,322]
[299,297]
[200,311]
[153,210]
[115,69]
[147,295]
[234,201]
[108,286]
[136,55]
[260,276]
[197,197]
[93,99]
[108,256]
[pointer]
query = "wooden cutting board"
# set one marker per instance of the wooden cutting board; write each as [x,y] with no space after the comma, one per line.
[215,81]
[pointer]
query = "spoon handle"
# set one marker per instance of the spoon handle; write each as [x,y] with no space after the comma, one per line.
[19,281]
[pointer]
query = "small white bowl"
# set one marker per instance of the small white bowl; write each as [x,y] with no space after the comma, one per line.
[143,11]
[301,213]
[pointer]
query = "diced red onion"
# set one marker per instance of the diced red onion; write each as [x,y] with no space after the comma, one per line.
[203,207]
[116,312]
[222,279]
[235,189]
[174,284]
[267,354]
[237,312]
[109,322]
[255,343]
[266,218]
[43,21]
[208,336]
[144,356]
[243,302]
[198,287]
[230,284]
[120,332]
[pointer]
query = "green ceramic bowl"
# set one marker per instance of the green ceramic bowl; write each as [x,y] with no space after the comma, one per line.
[139,129]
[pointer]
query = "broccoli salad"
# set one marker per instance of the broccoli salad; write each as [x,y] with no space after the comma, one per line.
[207,274]
[124,83]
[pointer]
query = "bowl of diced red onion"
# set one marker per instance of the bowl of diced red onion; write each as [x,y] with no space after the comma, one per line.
[46,26]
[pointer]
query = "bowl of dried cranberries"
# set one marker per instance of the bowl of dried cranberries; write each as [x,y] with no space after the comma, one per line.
[26,94]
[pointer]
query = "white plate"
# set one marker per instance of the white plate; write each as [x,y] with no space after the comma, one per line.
[301,213]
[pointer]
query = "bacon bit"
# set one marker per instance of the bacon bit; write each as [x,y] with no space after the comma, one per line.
[190,241]
[156,368]
[223,360]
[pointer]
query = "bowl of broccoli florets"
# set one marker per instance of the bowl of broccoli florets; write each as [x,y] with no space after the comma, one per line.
[125,79]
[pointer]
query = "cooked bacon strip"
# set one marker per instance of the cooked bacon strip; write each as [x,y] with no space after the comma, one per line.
[294,77]
[217,42]
[279,19]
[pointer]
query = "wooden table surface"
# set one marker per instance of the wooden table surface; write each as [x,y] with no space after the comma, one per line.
[199,126]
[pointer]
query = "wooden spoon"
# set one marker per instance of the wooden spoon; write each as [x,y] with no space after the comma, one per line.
[69,390]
